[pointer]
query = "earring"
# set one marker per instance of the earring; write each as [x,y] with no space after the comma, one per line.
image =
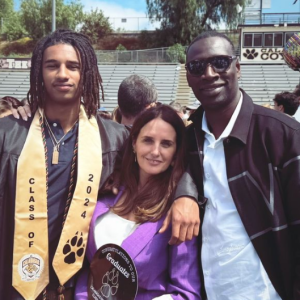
[134,154]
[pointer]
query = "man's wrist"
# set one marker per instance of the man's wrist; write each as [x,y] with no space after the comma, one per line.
[201,200]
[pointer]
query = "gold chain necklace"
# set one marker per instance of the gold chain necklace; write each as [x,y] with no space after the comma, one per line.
[55,142]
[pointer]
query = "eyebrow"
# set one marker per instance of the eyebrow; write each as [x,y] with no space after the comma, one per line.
[150,137]
[169,141]
[68,61]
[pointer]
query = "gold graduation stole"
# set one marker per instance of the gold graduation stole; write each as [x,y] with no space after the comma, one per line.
[30,257]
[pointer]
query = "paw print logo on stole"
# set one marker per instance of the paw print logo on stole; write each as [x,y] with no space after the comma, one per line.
[73,248]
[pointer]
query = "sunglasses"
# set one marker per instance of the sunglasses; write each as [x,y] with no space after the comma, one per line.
[220,64]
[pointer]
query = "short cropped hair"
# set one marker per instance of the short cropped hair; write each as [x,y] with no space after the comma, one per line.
[209,34]
[289,101]
[135,93]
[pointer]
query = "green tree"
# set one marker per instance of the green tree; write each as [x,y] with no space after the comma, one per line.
[176,53]
[6,8]
[120,47]
[14,29]
[36,16]
[183,20]
[96,25]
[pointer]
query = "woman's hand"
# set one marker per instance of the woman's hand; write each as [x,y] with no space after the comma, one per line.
[184,214]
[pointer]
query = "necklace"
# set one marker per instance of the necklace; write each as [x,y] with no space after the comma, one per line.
[55,142]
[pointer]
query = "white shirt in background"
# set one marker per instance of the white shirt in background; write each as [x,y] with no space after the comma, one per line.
[297,115]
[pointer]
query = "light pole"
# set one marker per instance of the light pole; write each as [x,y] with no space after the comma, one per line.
[261,10]
[53,15]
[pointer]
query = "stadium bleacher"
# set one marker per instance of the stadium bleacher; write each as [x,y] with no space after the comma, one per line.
[261,82]
[16,82]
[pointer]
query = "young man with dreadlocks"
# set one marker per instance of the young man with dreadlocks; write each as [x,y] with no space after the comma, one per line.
[50,170]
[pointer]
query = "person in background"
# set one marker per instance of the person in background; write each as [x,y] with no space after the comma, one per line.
[286,102]
[103,113]
[268,105]
[180,111]
[193,107]
[116,115]
[4,108]
[177,107]
[135,94]
[154,161]
[297,92]
[186,115]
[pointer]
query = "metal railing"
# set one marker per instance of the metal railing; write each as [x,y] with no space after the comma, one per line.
[133,23]
[255,17]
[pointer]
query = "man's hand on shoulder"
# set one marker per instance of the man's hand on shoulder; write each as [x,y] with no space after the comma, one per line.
[185,218]
[23,111]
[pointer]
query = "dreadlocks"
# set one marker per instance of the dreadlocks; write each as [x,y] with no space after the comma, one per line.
[90,78]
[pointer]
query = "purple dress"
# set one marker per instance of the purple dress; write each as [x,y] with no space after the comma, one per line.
[162,269]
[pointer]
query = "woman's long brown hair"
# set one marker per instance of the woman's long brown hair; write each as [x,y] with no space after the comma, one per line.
[153,200]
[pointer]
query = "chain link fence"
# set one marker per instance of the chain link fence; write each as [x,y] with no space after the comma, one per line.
[158,55]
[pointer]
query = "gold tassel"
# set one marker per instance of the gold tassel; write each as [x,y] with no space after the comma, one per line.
[44,294]
[60,291]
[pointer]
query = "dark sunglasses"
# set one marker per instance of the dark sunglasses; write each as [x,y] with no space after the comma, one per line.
[220,64]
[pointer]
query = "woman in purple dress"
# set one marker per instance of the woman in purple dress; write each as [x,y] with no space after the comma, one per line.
[153,163]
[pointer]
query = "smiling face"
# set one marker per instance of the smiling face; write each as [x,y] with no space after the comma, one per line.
[61,74]
[155,148]
[214,90]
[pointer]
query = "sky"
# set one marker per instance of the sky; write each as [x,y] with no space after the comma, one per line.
[283,6]
[135,11]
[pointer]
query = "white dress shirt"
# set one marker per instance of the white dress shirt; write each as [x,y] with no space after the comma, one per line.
[232,269]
